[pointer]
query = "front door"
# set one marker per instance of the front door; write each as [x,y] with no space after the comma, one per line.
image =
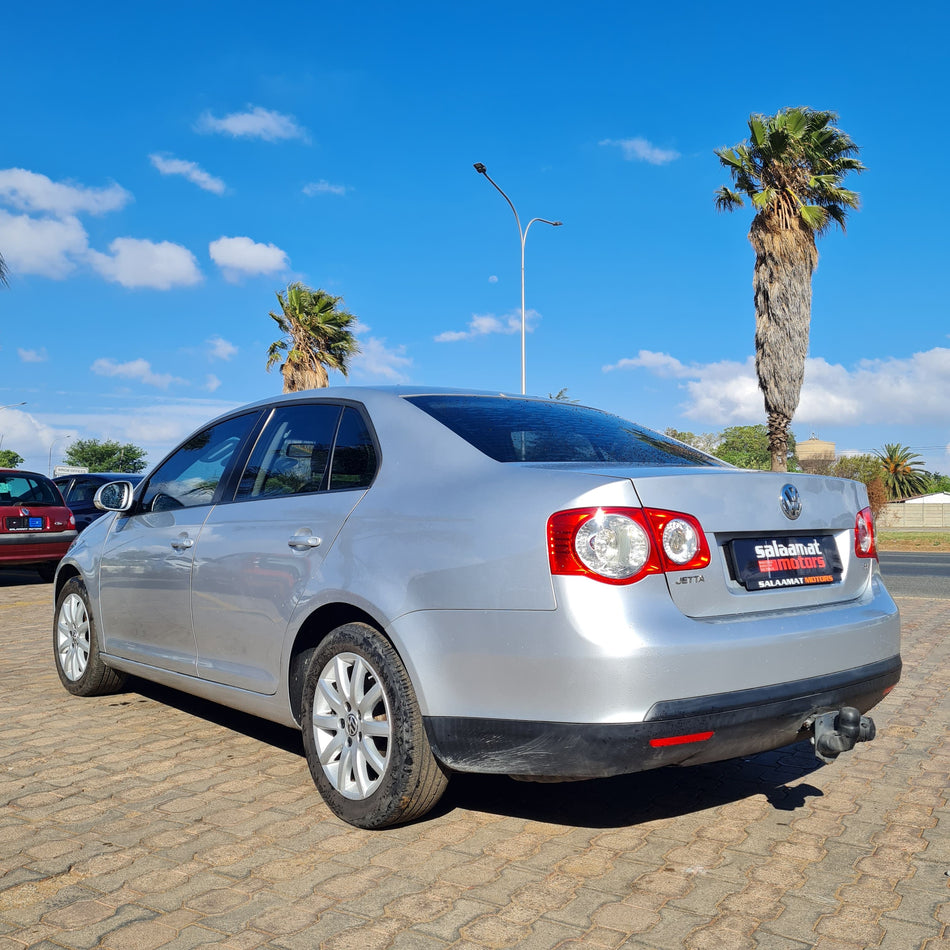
[146,563]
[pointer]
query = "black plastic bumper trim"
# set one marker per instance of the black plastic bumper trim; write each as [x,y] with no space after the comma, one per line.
[744,722]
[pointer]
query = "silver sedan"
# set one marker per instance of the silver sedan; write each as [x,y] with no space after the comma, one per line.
[427,582]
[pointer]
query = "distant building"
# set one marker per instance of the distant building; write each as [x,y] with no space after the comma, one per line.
[815,455]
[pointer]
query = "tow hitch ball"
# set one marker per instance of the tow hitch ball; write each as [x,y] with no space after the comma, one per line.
[837,732]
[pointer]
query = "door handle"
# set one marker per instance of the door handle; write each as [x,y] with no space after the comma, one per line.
[182,544]
[304,542]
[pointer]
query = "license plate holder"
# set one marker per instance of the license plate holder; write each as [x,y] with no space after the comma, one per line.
[780,563]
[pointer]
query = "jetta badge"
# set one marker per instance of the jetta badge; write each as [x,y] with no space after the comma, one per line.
[791,502]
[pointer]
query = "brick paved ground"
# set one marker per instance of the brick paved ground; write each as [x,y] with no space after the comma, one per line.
[150,820]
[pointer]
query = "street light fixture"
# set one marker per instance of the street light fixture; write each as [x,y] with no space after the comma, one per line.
[523,233]
[49,464]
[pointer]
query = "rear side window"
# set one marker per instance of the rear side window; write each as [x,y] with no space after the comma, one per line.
[528,430]
[354,456]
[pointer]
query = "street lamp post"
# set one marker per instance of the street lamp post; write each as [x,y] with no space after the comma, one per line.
[523,233]
[49,464]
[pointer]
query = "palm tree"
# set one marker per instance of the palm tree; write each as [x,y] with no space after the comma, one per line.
[903,471]
[791,169]
[3,272]
[317,336]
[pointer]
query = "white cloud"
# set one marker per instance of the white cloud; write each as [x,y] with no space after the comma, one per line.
[323,187]
[168,165]
[139,370]
[640,150]
[212,382]
[133,262]
[29,191]
[483,324]
[376,361]
[256,122]
[910,390]
[220,349]
[238,256]
[43,246]
[33,356]
[493,279]
[155,423]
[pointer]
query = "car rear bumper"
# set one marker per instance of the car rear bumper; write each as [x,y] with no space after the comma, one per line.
[29,547]
[741,723]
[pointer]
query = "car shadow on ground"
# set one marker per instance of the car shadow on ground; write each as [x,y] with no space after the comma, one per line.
[615,802]
[626,800]
[22,577]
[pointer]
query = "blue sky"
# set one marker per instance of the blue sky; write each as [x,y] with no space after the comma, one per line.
[164,169]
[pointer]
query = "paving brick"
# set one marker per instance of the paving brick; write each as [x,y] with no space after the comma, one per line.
[152,820]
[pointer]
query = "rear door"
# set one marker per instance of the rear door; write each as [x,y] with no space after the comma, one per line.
[258,553]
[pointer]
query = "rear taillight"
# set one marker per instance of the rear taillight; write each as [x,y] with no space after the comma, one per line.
[864,544]
[623,545]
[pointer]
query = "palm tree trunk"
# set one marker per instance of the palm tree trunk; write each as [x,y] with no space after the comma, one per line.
[785,258]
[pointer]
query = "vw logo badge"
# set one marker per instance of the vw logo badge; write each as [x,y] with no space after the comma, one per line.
[791,502]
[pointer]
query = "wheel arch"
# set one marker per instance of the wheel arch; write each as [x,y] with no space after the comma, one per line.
[66,572]
[322,622]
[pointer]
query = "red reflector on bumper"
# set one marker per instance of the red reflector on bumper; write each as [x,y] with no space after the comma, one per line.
[681,740]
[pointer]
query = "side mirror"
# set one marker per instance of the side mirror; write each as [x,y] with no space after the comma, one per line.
[114,496]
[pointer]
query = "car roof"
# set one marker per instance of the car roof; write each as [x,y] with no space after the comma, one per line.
[107,476]
[24,471]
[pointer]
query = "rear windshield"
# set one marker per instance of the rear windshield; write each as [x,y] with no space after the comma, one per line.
[527,430]
[25,488]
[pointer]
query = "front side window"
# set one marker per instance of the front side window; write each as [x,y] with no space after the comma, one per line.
[190,476]
[83,490]
[293,452]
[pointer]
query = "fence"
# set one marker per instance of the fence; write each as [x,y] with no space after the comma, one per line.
[897,515]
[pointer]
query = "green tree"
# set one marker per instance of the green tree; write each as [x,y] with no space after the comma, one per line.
[748,447]
[10,459]
[317,336]
[106,456]
[866,469]
[904,474]
[935,482]
[791,168]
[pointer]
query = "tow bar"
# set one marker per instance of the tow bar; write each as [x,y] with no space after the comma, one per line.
[837,732]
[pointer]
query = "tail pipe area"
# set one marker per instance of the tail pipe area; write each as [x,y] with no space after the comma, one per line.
[837,732]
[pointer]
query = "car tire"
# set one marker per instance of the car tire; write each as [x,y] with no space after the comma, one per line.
[76,645]
[363,734]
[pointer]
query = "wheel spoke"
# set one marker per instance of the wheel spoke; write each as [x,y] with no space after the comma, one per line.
[376,728]
[345,772]
[331,697]
[369,700]
[370,754]
[331,750]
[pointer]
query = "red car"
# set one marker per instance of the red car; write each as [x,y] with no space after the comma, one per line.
[36,527]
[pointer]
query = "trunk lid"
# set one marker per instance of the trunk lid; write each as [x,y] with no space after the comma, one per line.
[763,556]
